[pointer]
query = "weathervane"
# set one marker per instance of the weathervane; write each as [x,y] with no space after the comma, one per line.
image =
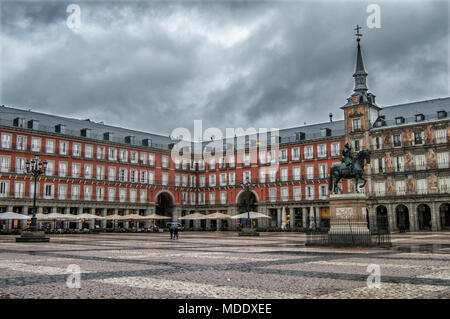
[359,35]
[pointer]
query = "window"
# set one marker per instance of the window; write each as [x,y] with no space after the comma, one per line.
[192,198]
[111,194]
[201,165]
[356,124]
[184,164]
[133,156]
[50,146]
[6,140]
[246,159]
[400,187]
[309,192]
[184,197]
[335,149]
[223,179]
[133,195]
[88,171]
[310,172]
[88,151]
[63,148]
[192,166]
[296,173]
[100,193]
[32,189]
[262,157]
[184,181]
[165,162]
[35,144]
[177,180]
[165,178]
[397,140]
[272,194]
[76,168]
[21,143]
[123,175]
[4,164]
[112,154]
[143,158]
[50,170]
[201,198]
[122,195]
[20,165]
[323,170]
[418,138]
[421,186]
[308,152]
[442,159]
[212,180]
[19,189]
[202,181]
[143,196]
[223,197]
[101,152]
[420,161]
[377,142]
[4,189]
[357,145]
[62,169]
[271,157]
[151,159]
[111,174]
[123,155]
[444,184]
[399,120]
[440,135]
[295,154]
[133,176]
[323,191]
[262,175]
[48,191]
[151,177]
[232,178]
[62,191]
[442,114]
[75,195]
[76,149]
[380,188]
[284,172]
[284,193]
[192,181]
[272,175]
[212,163]
[283,155]
[297,193]
[247,176]
[212,197]
[399,164]
[143,178]
[420,117]
[100,173]
[322,150]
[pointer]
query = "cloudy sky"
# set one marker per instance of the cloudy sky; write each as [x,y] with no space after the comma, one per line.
[158,65]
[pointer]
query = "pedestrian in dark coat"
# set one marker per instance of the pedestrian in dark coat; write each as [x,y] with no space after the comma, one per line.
[171,231]
[175,233]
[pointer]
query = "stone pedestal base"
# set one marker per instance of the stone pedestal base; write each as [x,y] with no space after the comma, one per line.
[248,232]
[32,236]
[348,222]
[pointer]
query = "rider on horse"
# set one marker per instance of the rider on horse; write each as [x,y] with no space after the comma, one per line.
[347,157]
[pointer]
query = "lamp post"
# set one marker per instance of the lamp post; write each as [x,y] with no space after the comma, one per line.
[36,168]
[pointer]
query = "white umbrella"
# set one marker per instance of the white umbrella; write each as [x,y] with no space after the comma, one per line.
[253,215]
[194,216]
[55,216]
[89,216]
[217,215]
[283,218]
[11,215]
[156,216]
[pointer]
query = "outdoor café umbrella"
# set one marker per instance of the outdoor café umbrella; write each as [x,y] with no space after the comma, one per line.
[194,216]
[156,216]
[217,215]
[11,215]
[253,215]
[55,217]
[89,216]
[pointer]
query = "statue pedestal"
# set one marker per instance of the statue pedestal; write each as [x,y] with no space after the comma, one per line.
[32,237]
[348,220]
[248,232]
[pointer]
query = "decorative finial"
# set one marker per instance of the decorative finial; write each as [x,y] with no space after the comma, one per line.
[359,35]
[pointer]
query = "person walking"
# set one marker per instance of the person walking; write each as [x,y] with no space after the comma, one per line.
[171,231]
[175,232]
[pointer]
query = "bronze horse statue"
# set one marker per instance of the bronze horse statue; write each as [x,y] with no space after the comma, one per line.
[339,171]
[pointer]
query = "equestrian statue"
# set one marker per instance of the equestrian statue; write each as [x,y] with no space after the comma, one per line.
[350,167]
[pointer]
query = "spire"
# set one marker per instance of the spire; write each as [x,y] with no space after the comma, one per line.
[360,74]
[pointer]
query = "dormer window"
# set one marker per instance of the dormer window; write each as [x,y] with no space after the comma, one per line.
[356,124]
[299,136]
[399,120]
[442,114]
[420,117]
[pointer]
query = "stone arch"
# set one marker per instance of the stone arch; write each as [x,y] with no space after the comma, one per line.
[382,219]
[402,214]
[444,213]
[165,191]
[164,204]
[243,192]
[424,217]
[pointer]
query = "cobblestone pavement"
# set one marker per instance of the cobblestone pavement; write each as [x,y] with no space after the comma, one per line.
[222,265]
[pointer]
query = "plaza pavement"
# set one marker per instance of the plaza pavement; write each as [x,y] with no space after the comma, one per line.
[222,265]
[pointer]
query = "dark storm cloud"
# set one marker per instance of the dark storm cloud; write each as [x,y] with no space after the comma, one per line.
[159,65]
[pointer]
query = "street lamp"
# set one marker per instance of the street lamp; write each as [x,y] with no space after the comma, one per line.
[36,168]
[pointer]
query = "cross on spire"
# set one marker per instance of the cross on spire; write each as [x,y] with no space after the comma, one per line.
[357,32]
